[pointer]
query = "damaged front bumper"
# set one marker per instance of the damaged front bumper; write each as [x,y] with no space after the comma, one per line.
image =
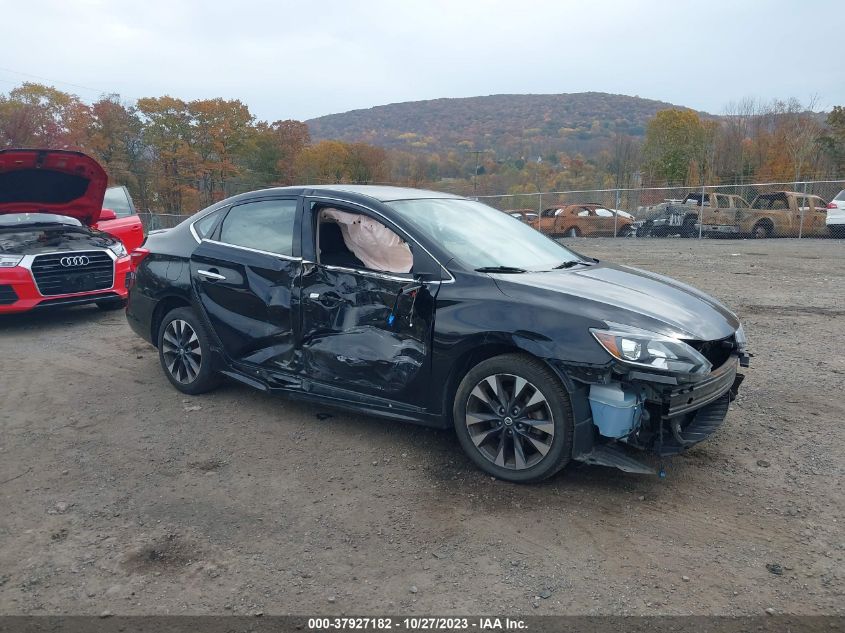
[671,417]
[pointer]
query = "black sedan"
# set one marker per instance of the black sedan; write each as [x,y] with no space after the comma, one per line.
[432,308]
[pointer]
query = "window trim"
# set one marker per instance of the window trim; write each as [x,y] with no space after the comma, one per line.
[221,210]
[208,212]
[370,273]
[253,250]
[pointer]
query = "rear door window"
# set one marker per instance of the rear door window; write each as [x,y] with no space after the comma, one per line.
[264,225]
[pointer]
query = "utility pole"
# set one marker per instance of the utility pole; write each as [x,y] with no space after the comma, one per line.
[477,152]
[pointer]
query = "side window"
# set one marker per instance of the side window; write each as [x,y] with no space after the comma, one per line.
[353,240]
[266,225]
[205,226]
[741,203]
[723,202]
[583,213]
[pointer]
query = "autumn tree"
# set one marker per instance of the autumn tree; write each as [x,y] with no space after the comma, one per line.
[675,141]
[168,135]
[334,161]
[276,147]
[221,132]
[833,141]
[37,115]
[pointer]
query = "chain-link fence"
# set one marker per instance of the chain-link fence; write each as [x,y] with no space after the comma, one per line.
[774,209]
[783,209]
[156,221]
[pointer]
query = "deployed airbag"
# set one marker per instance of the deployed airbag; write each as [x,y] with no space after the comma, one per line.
[372,242]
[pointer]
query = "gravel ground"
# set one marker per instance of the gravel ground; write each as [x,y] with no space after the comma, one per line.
[118,493]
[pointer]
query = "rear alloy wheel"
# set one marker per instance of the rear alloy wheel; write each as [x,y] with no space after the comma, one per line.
[183,350]
[514,419]
[761,231]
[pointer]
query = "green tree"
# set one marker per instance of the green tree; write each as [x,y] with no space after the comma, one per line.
[676,141]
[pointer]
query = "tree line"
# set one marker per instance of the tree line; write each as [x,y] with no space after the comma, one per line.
[179,156]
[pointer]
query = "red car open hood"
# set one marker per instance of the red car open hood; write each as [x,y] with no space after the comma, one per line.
[51,181]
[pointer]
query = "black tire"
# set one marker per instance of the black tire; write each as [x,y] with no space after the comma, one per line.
[522,429]
[761,230]
[111,304]
[688,229]
[190,372]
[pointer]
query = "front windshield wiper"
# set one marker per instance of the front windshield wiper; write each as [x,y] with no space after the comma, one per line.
[571,263]
[500,269]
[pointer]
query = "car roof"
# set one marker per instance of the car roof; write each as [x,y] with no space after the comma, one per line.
[789,193]
[385,193]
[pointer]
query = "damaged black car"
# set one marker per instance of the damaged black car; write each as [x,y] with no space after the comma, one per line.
[432,308]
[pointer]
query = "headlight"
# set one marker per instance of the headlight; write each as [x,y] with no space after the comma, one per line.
[739,337]
[654,351]
[118,249]
[10,261]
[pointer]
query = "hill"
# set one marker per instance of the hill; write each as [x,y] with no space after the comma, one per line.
[511,125]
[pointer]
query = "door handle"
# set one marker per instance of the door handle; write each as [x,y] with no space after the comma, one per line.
[211,275]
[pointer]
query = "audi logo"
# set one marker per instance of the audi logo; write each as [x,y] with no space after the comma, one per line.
[78,260]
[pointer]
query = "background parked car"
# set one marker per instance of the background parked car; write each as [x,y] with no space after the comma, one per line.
[51,251]
[784,214]
[119,218]
[523,215]
[835,220]
[586,220]
[718,212]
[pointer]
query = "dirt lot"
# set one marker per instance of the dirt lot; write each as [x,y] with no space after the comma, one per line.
[117,493]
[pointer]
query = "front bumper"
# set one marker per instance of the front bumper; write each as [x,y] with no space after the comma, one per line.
[690,397]
[19,292]
[733,229]
[674,418]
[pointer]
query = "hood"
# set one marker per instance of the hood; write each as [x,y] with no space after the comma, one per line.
[51,181]
[631,297]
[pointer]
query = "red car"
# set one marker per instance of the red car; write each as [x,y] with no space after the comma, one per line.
[52,252]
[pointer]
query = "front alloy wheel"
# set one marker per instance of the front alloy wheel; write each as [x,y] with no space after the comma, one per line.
[509,421]
[513,418]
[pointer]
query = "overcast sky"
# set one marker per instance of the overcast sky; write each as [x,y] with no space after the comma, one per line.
[305,59]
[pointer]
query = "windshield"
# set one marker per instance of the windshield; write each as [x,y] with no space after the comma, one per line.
[15,219]
[481,237]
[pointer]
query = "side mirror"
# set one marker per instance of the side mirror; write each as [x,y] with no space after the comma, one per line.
[107,214]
